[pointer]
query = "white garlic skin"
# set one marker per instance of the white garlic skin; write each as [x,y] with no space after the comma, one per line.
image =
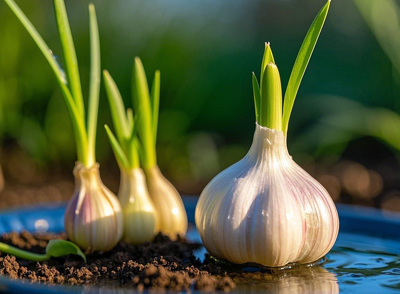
[141,222]
[93,218]
[168,203]
[265,209]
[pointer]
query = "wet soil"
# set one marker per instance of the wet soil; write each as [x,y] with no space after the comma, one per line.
[160,265]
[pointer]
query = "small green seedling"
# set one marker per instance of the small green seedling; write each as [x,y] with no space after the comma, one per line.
[55,248]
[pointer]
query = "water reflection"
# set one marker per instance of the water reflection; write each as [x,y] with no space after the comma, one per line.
[297,280]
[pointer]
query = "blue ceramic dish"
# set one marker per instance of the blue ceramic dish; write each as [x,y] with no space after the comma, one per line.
[365,258]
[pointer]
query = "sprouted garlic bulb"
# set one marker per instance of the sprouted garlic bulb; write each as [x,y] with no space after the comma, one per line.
[141,221]
[93,217]
[140,215]
[265,209]
[168,202]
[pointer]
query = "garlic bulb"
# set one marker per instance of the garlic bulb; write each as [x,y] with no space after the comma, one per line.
[168,202]
[93,217]
[140,215]
[265,209]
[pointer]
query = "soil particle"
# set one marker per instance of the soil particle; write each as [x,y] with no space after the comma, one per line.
[160,265]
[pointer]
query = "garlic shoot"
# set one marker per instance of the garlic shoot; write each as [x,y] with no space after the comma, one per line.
[265,209]
[92,205]
[140,215]
[167,201]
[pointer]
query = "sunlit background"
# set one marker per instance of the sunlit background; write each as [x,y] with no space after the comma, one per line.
[344,130]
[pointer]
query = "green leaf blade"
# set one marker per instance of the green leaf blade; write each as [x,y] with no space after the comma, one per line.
[257,98]
[141,101]
[94,85]
[57,248]
[130,121]
[76,117]
[118,151]
[268,57]
[71,62]
[117,107]
[271,98]
[40,43]
[301,63]
[155,102]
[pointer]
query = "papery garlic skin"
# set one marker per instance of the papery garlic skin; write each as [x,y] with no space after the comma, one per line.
[265,209]
[93,218]
[168,203]
[141,222]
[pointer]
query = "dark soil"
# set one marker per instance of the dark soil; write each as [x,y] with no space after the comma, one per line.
[162,264]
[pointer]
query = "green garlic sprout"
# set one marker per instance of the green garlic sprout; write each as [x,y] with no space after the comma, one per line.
[93,218]
[140,216]
[265,209]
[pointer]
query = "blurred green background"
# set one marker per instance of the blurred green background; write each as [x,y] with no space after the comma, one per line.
[346,109]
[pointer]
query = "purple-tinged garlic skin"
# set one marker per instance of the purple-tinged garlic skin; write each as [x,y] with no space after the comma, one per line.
[265,209]
[93,218]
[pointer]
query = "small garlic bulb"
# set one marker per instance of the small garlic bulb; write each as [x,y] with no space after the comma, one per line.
[168,202]
[140,215]
[93,217]
[266,210]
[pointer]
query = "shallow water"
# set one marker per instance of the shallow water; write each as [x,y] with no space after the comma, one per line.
[356,264]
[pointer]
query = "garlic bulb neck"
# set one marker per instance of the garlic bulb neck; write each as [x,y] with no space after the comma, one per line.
[93,217]
[140,216]
[168,203]
[265,209]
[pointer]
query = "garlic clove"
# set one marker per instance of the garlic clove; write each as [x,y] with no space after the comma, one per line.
[265,209]
[140,216]
[168,202]
[93,217]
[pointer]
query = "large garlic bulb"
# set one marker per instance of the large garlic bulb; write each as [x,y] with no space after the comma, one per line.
[266,210]
[140,216]
[168,202]
[93,217]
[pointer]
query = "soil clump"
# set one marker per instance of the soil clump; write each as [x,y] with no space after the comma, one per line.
[159,265]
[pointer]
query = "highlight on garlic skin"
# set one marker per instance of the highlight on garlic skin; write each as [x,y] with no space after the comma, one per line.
[93,217]
[141,221]
[166,199]
[265,209]
[168,203]
[140,215]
